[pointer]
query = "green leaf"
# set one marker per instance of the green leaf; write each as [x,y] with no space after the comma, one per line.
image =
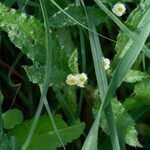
[125,124]
[142,90]
[11,118]
[36,75]
[73,62]
[45,134]
[138,104]
[135,76]
[28,34]
[135,22]
[65,40]
[77,12]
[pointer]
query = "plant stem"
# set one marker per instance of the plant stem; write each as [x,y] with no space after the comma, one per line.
[51,118]
[46,79]
[34,124]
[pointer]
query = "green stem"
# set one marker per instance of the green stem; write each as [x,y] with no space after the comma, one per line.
[83,55]
[34,124]
[102,84]
[46,79]
[51,118]
[77,22]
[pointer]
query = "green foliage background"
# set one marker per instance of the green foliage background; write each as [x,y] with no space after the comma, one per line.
[76,32]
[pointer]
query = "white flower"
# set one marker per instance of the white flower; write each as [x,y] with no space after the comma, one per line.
[81,79]
[71,79]
[106,63]
[119,9]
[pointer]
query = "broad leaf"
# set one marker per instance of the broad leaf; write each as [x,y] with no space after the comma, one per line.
[73,62]
[28,34]
[60,19]
[11,118]
[124,122]
[135,76]
[36,75]
[135,22]
[45,134]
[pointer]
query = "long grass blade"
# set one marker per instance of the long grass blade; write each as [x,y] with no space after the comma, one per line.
[46,79]
[121,70]
[76,21]
[91,143]
[122,26]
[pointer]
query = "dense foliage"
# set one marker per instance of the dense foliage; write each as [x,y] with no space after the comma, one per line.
[74,74]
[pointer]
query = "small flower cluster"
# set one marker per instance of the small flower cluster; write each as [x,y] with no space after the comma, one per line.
[106,63]
[119,9]
[79,79]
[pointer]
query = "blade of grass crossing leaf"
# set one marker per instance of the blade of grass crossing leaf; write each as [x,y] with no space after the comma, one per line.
[120,72]
[122,26]
[51,117]
[103,85]
[46,78]
[76,21]
[83,55]
[48,65]
[126,62]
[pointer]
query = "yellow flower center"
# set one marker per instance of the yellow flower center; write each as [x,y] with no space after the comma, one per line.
[72,81]
[82,80]
[119,9]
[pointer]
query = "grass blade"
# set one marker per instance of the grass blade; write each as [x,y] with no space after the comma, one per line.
[121,70]
[46,79]
[126,62]
[126,30]
[91,143]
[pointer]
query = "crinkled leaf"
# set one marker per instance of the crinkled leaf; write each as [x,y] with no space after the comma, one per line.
[135,76]
[73,62]
[65,40]
[45,134]
[36,75]
[11,118]
[28,34]
[135,22]
[60,19]
[142,90]
[125,124]
[139,103]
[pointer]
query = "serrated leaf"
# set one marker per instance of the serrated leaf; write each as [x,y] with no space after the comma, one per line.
[135,76]
[135,22]
[36,75]
[142,90]
[125,124]
[60,19]
[139,103]
[45,134]
[65,40]
[11,118]
[73,62]
[28,34]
